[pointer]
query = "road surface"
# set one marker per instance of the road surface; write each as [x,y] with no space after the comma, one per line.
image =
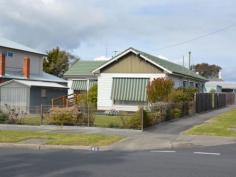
[196,162]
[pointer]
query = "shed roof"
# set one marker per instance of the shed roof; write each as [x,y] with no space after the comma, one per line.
[14,45]
[35,77]
[35,83]
[164,64]
[82,67]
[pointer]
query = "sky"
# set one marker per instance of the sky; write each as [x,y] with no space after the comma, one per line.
[96,28]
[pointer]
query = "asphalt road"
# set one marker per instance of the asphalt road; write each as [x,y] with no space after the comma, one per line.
[198,162]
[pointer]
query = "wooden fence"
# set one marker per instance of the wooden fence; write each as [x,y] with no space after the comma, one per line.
[210,101]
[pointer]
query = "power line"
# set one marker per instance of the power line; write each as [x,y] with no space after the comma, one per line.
[198,37]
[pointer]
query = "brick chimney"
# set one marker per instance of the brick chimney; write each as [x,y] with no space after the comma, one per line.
[26,67]
[2,64]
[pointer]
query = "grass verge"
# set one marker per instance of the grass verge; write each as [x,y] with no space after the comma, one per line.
[221,125]
[60,138]
[100,121]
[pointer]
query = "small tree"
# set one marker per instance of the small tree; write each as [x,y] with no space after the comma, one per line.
[92,95]
[159,89]
[56,62]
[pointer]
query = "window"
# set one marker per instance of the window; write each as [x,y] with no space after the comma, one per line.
[43,93]
[191,84]
[184,84]
[196,85]
[9,55]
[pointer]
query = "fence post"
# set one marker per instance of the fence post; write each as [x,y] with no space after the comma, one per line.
[195,103]
[41,114]
[142,126]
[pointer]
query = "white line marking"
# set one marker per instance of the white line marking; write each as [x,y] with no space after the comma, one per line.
[162,151]
[207,153]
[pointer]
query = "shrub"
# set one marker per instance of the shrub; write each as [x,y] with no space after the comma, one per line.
[189,92]
[14,113]
[177,113]
[135,121]
[182,95]
[92,95]
[177,96]
[88,98]
[159,89]
[3,117]
[213,91]
[64,116]
[113,125]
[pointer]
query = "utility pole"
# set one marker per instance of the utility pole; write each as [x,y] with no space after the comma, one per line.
[183,61]
[189,60]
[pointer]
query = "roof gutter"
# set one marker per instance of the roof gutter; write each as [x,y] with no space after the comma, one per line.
[195,78]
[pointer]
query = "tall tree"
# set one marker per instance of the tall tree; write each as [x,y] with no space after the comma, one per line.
[208,71]
[57,62]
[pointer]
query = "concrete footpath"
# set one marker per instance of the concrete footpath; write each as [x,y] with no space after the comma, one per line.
[166,135]
[169,135]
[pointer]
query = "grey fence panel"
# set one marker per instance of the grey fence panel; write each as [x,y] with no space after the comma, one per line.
[211,101]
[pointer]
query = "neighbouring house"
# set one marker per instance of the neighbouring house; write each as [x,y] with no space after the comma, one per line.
[213,87]
[226,86]
[80,77]
[122,80]
[24,84]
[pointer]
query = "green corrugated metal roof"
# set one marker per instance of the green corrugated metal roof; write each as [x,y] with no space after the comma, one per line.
[129,89]
[175,68]
[83,68]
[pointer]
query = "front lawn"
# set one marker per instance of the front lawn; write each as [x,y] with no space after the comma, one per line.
[59,138]
[221,125]
[100,120]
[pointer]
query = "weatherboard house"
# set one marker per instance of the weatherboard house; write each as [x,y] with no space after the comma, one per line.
[122,80]
[23,83]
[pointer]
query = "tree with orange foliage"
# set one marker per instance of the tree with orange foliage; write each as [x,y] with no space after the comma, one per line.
[159,89]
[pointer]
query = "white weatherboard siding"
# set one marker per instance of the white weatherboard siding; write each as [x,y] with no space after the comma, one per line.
[105,86]
[69,85]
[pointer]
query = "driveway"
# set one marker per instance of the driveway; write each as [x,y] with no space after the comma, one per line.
[169,135]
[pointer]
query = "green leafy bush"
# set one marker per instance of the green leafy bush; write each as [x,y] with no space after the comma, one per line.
[3,117]
[88,98]
[177,113]
[182,95]
[92,95]
[135,121]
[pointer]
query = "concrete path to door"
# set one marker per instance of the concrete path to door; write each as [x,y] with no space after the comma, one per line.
[170,135]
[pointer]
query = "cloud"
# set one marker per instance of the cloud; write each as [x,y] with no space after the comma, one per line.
[101,58]
[95,27]
[49,23]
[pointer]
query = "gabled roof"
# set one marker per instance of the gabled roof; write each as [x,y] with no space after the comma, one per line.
[14,45]
[167,66]
[83,68]
[29,83]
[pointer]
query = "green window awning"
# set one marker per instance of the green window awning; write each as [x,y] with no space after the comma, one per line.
[82,84]
[79,85]
[129,89]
